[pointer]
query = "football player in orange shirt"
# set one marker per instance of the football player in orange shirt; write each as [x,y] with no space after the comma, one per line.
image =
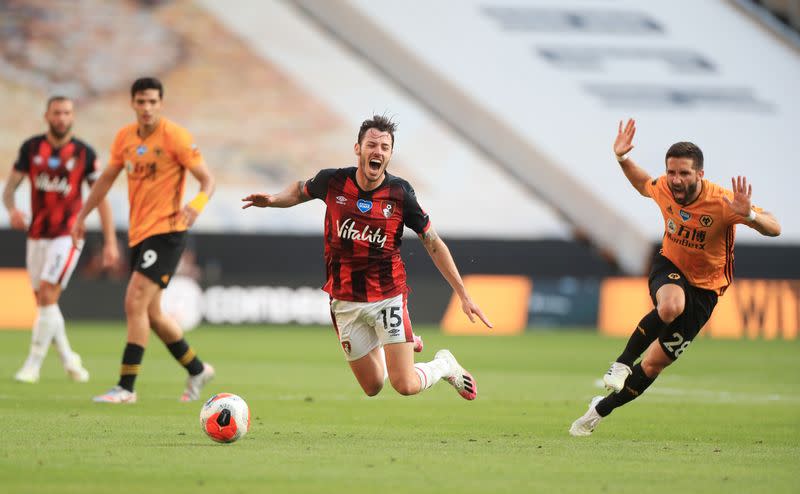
[693,268]
[155,154]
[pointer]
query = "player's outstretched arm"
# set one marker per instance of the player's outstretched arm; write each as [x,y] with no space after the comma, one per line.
[446,265]
[17,217]
[764,223]
[622,146]
[288,197]
[192,210]
[96,195]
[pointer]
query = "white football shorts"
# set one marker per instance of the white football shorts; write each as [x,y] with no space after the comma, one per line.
[51,259]
[363,326]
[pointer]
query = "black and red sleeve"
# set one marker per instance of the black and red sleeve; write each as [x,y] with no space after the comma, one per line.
[317,187]
[23,162]
[92,171]
[413,215]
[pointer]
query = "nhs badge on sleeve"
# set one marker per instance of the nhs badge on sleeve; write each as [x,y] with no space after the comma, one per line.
[684,215]
[53,162]
[364,205]
[141,150]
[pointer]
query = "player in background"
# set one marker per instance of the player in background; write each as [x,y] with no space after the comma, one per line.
[56,164]
[155,153]
[367,209]
[693,268]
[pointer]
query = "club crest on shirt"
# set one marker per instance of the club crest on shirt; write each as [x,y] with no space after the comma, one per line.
[706,220]
[388,209]
[37,160]
[364,205]
[684,215]
[671,227]
[70,164]
[346,347]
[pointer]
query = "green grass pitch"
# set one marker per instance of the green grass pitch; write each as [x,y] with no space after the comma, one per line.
[724,418]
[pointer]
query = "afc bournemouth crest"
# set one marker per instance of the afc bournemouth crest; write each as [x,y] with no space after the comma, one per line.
[346,347]
[388,209]
[706,220]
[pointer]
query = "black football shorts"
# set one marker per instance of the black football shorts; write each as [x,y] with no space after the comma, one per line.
[697,310]
[157,257]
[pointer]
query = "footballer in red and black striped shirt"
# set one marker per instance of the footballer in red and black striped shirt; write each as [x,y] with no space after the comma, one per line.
[56,174]
[363,231]
[56,163]
[367,210]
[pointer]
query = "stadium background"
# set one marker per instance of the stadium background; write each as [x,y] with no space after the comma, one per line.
[509,153]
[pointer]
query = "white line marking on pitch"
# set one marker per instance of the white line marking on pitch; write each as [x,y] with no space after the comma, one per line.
[716,396]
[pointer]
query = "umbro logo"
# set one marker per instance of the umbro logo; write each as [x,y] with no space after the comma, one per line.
[341,200]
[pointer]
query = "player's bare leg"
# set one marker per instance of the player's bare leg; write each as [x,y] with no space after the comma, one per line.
[172,335]
[370,371]
[402,373]
[655,361]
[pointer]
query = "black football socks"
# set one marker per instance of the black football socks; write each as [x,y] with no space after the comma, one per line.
[131,362]
[635,385]
[644,334]
[187,357]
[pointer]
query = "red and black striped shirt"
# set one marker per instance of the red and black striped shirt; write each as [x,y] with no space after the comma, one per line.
[363,231]
[56,175]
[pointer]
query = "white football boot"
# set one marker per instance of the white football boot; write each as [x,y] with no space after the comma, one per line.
[194,384]
[616,376]
[75,370]
[585,424]
[459,378]
[27,375]
[117,394]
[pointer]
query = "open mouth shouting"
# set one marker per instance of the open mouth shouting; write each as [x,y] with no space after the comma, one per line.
[375,165]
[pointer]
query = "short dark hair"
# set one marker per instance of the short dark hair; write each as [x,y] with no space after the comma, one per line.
[379,122]
[145,83]
[686,150]
[56,98]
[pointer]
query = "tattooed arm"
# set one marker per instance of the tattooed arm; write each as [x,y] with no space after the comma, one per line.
[288,197]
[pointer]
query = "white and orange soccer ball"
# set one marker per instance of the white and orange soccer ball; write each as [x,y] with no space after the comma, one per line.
[225,417]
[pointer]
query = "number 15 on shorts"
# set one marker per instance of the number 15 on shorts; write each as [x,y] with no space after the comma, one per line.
[392,320]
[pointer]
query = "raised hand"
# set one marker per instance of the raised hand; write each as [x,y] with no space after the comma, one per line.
[258,200]
[624,142]
[742,192]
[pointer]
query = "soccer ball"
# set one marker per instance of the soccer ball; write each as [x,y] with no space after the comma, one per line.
[225,418]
